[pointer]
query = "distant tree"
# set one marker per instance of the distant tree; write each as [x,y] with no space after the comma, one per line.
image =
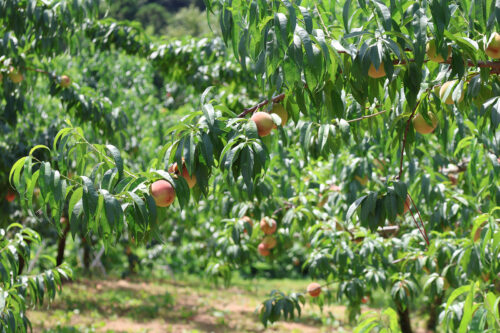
[153,15]
[158,14]
[175,5]
[188,21]
[124,9]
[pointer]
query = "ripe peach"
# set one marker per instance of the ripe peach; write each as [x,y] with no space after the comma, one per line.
[492,50]
[449,99]
[270,242]
[407,204]
[314,289]
[279,110]
[264,123]
[421,125]
[10,196]
[247,219]
[191,180]
[376,73]
[432,52]
[15,76]
[263,250]
[163,192]
[334,188]
[65,81]
[63,220]
[268,225]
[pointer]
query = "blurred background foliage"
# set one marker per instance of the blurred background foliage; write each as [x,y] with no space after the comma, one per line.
[171,18]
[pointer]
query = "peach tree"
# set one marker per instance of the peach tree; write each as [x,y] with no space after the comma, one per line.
[384,162]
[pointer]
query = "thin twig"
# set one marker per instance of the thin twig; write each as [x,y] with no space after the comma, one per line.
[365,117]
[37,70]
[321,20]
[426,237]
[287,205]
[106,157]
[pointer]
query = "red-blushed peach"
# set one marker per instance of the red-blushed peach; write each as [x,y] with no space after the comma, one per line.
[492,50]
[247,219]
[270,242]
[65,81]
[163,193]
[191,180]
[268,225]
[314,289]
[10,196]
[263,250]
[264,123]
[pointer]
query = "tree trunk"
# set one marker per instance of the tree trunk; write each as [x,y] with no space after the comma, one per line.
[404,319]
[433,313]
[21,259]
[86,255]
[61,245]
[21,264]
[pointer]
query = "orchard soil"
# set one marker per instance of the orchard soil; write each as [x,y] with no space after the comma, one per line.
[183,304]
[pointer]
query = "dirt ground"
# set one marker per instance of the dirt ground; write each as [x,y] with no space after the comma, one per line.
[173,306]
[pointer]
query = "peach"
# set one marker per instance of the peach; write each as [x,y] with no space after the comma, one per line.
[279,110]
[163,192]
[268,225]
[263,250]
[264,123]
[314,289]
[422,126]
[65,81]
[443,90]
[432,53]
[270,242]
[376,72]
[492,50]
[191,180]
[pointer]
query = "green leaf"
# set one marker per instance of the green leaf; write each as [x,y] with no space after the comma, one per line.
[354,206]
[457,292]
[468,311]
[385,12]
[115,153]
[90,197]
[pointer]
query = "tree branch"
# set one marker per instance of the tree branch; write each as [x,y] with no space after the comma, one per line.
[276,99]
